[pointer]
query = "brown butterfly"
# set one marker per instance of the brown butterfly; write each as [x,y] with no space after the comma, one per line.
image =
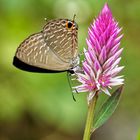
[54,49]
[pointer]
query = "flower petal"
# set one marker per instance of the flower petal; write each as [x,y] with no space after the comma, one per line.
[105,90]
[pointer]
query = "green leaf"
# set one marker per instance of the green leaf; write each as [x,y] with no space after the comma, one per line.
[107,109]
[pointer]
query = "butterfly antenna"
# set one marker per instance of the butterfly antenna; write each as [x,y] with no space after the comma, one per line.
[70,84]
[45,19]
[74,16]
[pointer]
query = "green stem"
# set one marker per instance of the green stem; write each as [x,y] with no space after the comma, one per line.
[90,116]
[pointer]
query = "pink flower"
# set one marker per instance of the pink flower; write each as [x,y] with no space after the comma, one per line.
[101,65]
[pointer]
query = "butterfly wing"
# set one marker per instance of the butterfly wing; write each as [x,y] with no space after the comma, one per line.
[62,41]
[43,50]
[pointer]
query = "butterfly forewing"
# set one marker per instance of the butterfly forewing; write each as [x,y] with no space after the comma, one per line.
[62,41]
[54,48]
[30,49]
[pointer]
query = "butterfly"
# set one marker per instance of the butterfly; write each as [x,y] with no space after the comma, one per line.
[53,49]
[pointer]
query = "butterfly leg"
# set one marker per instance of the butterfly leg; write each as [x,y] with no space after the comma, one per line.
[69,76]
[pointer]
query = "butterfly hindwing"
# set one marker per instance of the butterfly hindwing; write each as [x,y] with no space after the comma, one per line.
[62,41]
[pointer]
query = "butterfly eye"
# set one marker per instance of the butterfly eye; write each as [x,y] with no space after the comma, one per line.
[69,24]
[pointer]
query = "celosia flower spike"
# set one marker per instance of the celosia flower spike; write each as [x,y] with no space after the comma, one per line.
[101,65]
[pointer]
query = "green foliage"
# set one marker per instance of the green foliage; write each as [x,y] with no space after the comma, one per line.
[107,109]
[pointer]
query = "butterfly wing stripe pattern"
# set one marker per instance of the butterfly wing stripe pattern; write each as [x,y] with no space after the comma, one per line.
[53,49]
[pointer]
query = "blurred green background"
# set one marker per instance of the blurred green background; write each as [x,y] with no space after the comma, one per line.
[40,106]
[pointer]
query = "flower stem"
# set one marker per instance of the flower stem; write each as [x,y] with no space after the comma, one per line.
[90,116]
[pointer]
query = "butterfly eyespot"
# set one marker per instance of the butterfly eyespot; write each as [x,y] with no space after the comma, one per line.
[69,24]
